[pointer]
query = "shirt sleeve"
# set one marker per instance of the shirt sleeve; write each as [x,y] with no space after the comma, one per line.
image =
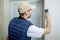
[34,31]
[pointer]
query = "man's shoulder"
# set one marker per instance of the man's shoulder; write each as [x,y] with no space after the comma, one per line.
[14,19]
[29,22]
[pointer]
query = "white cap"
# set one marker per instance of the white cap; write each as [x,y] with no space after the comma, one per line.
[24,6]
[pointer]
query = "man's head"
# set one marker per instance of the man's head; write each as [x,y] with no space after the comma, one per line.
[25,9]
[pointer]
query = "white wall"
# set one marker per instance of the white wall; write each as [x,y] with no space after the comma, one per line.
[54,11]
[6,12]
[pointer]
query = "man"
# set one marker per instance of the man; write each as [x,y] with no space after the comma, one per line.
[22,29]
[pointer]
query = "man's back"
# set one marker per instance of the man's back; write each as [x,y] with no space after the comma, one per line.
[18,29]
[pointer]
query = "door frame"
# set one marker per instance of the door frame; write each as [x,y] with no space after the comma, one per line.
[42,16]
[8,17]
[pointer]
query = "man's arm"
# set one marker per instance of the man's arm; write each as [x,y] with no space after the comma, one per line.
[35,31]
[48,25]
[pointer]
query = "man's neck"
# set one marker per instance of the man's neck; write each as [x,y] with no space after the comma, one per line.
[24,17]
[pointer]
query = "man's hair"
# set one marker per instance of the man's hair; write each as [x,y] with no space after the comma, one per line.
[21,14]
[46,10]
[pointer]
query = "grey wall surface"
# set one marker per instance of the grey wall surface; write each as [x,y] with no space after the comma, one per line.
[54,11]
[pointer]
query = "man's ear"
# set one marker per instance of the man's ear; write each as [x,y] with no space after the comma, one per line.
[26,13]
